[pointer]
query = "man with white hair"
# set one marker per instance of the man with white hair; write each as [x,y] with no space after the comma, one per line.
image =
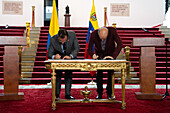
[104,40]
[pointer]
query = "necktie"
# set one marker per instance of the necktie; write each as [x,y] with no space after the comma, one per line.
[64,47]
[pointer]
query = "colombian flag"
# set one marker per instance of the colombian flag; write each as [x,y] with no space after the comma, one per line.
[54,26]
[93,25]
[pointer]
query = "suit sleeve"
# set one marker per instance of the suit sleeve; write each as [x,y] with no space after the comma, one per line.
[76,46]
[90,45]
[119,44]
[50,50]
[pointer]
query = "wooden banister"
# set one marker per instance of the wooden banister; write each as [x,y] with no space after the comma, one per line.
[28,33]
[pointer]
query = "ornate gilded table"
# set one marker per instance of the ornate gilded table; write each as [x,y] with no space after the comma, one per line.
[87,65]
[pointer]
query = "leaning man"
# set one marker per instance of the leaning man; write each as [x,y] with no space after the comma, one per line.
[107,46]
[63,46]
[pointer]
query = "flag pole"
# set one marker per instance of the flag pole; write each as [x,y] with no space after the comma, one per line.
[93,25]
[53,28]
[92,73]
[92,82]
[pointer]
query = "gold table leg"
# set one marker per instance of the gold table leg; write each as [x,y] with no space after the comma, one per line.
[123,88]
[113,86]
[53,81]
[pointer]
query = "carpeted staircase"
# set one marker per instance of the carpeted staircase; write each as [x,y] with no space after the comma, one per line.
[40,75]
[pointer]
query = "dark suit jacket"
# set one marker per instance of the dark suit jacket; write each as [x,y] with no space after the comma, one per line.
[72,46]
[110,48]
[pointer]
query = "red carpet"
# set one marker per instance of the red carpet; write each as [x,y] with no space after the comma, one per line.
[39,101]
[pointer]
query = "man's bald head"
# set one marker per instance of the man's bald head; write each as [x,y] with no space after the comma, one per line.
[103,32]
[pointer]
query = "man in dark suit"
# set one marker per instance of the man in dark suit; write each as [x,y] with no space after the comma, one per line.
[107,46]
[64,46]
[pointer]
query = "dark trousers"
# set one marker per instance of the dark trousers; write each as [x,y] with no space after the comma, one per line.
[68,82]
[99,79]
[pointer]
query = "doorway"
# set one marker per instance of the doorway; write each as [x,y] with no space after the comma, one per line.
[48,6]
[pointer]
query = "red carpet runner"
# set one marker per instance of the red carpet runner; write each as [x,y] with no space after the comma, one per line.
[39,101]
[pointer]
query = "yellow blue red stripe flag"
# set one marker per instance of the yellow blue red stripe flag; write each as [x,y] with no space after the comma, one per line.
[93,25]
[54,25]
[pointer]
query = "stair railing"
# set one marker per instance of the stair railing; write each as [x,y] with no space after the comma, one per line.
[28,33]
[127,52]
[114,25]
[20,48]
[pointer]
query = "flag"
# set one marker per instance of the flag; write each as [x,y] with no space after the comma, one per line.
[54,26]
[93,25]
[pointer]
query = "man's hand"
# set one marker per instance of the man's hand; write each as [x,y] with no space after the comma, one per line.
[109,57]
[66,57]
[57,56]
[95,56]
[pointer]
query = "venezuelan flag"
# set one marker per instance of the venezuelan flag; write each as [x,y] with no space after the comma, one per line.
[54,26]
[93,25]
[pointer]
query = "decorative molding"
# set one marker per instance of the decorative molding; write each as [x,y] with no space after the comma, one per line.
[86,66]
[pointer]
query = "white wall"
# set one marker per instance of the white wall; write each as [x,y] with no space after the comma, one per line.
[143,13]
[20,20]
